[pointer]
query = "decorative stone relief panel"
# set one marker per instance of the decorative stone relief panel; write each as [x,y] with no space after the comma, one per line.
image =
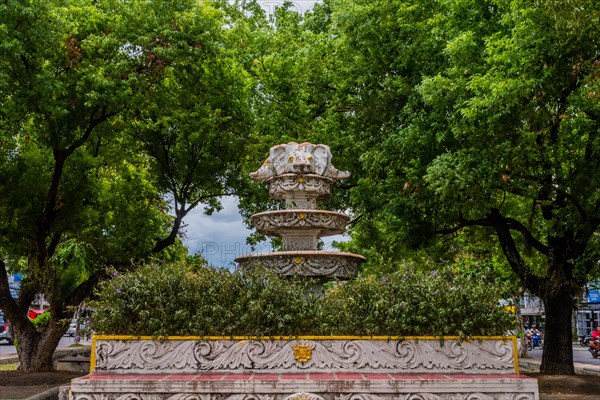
[465,396]
[308,396]
[303,396]
[145,396]
[281,355]
[253,396]
[318,263]
[272,222]
[292,186]
[436,396]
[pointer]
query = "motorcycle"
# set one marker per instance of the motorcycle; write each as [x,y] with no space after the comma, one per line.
[533,341]
[584,340]
[595,352]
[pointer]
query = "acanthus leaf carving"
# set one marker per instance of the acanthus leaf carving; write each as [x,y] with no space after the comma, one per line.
[419,396]
[251,396]
[145,354]
[357,355]
[360,396]
[304,396]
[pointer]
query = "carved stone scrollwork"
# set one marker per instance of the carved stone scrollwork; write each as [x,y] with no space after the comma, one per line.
[303,396]
[308,396]
[172,355]
[188,396]
[160,396]
[327,222]
[348,355]
[465,396]
[419,396]
[85,396]
[251,396]
[294,187]
[141,396]
[477,396]
[453,355]
[360,396]
[317,263]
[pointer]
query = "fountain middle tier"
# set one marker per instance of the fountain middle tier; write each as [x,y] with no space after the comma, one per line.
[322,264]
[279,222]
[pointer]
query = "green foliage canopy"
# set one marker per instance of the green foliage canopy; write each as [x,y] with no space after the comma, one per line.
[480,117]
[116,119]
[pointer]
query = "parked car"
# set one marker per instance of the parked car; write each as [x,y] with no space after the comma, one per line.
[5,330]
[33,314]
[72,328]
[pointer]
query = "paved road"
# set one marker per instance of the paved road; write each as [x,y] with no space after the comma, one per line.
[580,355]
[6,349]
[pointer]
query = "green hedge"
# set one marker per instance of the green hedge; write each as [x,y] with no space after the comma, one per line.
[173,300]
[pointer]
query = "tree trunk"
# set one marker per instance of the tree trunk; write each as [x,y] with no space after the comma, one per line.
[36,349]
[557,358]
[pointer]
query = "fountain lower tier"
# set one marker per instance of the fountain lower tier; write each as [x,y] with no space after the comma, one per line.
[329,264]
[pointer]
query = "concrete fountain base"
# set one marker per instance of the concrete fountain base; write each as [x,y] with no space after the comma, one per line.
[305,368]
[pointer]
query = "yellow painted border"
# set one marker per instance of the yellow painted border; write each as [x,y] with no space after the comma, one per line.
[93,355]
[515,354]
[162,338]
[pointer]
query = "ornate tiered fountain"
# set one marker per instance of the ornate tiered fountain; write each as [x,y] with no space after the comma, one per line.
[306,367]
[300,174]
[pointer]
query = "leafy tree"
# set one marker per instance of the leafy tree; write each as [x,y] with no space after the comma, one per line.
[484,117]
[110,113]
[291,57]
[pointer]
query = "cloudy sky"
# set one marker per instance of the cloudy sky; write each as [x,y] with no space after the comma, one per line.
[221,237]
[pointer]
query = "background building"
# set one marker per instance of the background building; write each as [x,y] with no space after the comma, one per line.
[588,313]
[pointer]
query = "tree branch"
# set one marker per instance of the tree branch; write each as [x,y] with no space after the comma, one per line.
[509,248]
[463,223]
[88,131]
[180,213]
[513,224]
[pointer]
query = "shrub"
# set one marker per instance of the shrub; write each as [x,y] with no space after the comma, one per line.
[416,303]
[42,320]
[173,300]
[163,300]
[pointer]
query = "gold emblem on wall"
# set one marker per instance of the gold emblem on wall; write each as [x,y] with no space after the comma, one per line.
[302,352]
